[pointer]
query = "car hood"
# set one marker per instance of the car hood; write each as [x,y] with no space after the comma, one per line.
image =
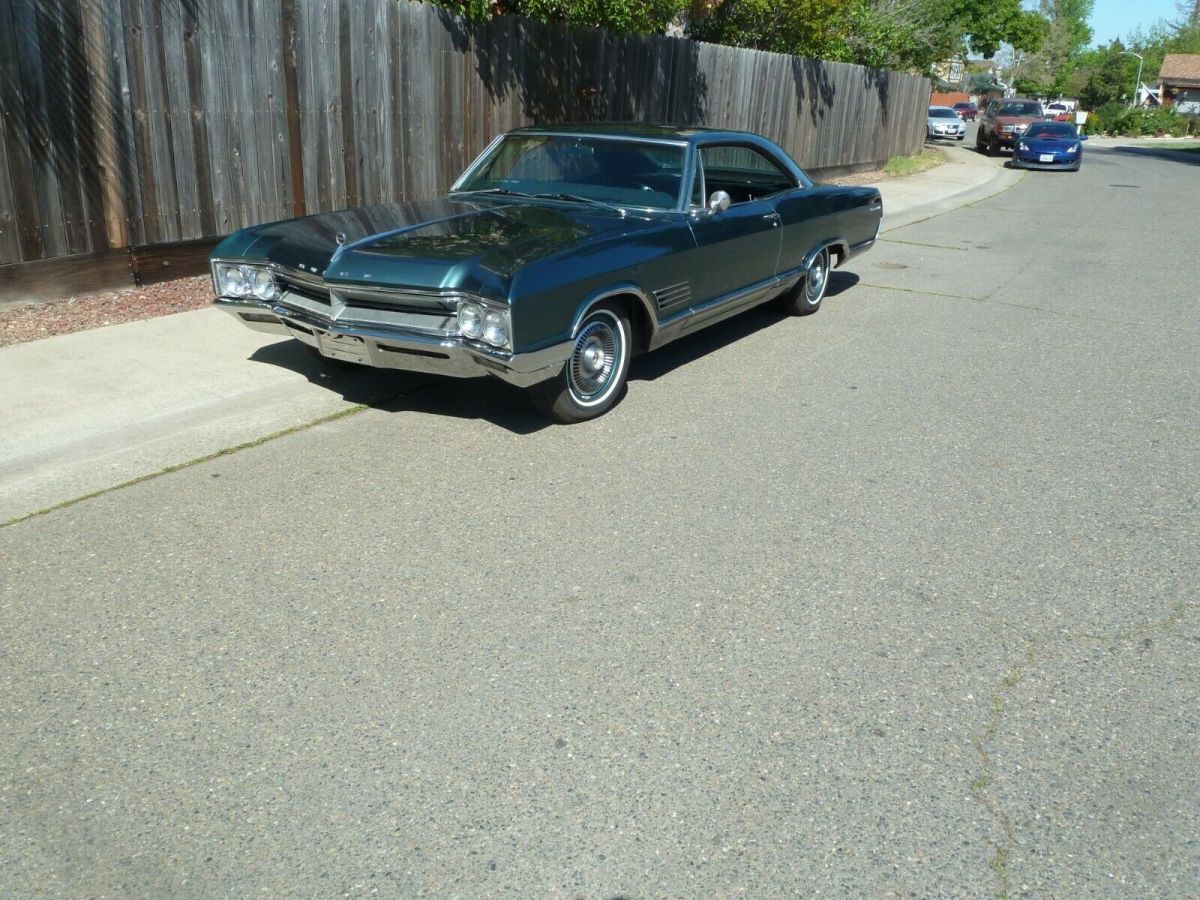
[1051,143]
[443,244]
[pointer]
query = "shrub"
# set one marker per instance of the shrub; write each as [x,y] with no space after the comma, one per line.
[1145,122]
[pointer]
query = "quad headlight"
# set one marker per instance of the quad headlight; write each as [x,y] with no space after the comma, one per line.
[235,280]
[490,324]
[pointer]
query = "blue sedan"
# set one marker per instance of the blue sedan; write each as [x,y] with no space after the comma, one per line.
[1049,145]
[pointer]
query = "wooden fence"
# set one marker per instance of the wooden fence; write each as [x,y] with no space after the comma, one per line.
[146,123]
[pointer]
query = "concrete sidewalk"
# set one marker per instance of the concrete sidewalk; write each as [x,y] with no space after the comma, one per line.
[84,412]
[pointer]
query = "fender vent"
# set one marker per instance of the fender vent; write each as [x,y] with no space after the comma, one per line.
[673,295]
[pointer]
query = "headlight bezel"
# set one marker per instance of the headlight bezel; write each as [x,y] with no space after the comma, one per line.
[482,311]
[257,281]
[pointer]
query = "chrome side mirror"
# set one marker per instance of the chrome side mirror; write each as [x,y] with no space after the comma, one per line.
[718,202]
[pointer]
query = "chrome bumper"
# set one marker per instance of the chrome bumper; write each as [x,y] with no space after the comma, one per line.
[387,349]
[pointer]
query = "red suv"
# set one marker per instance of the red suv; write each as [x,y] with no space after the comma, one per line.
[1004,122]
[966,111]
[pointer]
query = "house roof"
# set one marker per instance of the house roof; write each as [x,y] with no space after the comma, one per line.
[1180,68]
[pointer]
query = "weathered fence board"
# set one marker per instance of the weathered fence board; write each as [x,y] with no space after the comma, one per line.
[135,123]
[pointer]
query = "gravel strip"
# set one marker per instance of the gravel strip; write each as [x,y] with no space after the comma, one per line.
[33,321]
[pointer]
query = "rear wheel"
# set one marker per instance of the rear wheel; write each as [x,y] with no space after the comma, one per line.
[805,298]
[591,381]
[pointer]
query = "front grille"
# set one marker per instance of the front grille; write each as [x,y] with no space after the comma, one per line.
[312,287]
[420,312]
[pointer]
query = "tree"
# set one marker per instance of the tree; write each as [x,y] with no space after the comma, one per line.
[637,16]
[1047,71]
[906,35]
[804,27]
[986,24]
[899,34]
[1110,78]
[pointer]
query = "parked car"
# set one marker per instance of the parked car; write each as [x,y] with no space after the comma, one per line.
[556,256]
[1058,111]
[1049,145]
[966,110]
[943,122]
[1004,121]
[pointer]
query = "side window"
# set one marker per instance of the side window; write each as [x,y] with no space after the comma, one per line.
[743,172]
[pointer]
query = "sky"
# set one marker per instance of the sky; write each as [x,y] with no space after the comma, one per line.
[1117,18]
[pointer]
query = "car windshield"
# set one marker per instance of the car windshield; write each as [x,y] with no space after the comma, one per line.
[938,112]
[1019,109]
[1051,130]
[581,169]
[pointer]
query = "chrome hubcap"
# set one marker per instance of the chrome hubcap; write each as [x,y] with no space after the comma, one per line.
[816,278]
[593,360]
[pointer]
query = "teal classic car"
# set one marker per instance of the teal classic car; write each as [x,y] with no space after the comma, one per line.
[555,258]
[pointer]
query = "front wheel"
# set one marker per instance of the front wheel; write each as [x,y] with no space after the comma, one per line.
[591,381]
[805,298]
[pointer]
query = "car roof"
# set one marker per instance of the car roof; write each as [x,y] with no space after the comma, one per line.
[682,133]
[946,108]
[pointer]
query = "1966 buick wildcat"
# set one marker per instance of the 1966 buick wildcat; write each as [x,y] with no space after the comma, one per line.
[559,254]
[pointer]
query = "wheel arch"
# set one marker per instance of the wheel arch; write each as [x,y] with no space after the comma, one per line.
[637,304]
[839,250]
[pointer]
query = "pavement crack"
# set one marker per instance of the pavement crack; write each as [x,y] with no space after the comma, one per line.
[987,739]
[923,244]
[225,451]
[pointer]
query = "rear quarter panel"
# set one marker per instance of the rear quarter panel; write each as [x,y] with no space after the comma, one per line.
[823,214]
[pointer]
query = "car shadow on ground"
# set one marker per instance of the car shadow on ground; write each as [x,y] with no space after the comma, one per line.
[688,349]
[490,399]
[392,390]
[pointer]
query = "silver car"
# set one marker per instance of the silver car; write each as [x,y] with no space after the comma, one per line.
[943,122]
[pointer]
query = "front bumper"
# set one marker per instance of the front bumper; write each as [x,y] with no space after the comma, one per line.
[946,132]
[1008,138]
[1031,160]
[391,349]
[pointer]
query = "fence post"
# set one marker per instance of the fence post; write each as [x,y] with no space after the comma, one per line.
[291,91]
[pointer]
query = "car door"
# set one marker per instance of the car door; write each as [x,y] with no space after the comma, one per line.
[737,249]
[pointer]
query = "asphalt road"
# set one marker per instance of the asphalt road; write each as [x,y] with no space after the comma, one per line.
[898,598]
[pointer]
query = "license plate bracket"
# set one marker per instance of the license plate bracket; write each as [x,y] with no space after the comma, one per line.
[345,347]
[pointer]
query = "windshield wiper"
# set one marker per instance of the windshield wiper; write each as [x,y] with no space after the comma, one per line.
[577,198]
[495,190]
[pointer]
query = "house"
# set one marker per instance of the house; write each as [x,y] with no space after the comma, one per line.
[1179,82]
